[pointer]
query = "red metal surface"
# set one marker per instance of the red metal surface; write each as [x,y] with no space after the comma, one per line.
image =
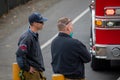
[101,4]
[107,36]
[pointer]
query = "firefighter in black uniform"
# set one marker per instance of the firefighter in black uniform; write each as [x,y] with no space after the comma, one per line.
[68,54]
[28,55]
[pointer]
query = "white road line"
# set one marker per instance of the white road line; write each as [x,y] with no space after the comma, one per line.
[80,16]
[48,42]
[74,21]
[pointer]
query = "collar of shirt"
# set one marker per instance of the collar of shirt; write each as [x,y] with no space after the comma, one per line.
[33,33]
[64,34]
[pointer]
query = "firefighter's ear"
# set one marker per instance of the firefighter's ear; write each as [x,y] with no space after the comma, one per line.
[68,28]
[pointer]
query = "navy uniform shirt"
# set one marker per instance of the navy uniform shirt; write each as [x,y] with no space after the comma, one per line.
[29,52]
[69,56]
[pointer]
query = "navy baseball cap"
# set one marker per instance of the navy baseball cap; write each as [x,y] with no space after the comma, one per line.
[36,17]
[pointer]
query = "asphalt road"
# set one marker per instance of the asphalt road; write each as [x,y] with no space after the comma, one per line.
[71,9]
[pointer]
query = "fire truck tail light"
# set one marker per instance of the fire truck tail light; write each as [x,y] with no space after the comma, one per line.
[98,23]
[110,12]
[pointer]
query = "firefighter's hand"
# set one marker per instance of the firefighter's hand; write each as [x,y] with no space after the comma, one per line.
[32,70]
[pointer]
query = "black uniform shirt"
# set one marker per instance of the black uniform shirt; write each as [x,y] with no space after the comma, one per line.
[29,52]
[69,56]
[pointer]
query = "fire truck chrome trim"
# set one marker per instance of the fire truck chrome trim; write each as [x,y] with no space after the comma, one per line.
[107,28]
[108,52]
[101,57]
[93,25]
[107,17]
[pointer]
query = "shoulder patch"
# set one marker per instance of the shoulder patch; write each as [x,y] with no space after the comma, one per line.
[23,47]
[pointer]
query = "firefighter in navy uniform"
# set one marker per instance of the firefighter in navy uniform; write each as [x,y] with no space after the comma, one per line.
[68,54]
[28,55]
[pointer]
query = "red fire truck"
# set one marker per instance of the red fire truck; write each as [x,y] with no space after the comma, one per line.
[105,33]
